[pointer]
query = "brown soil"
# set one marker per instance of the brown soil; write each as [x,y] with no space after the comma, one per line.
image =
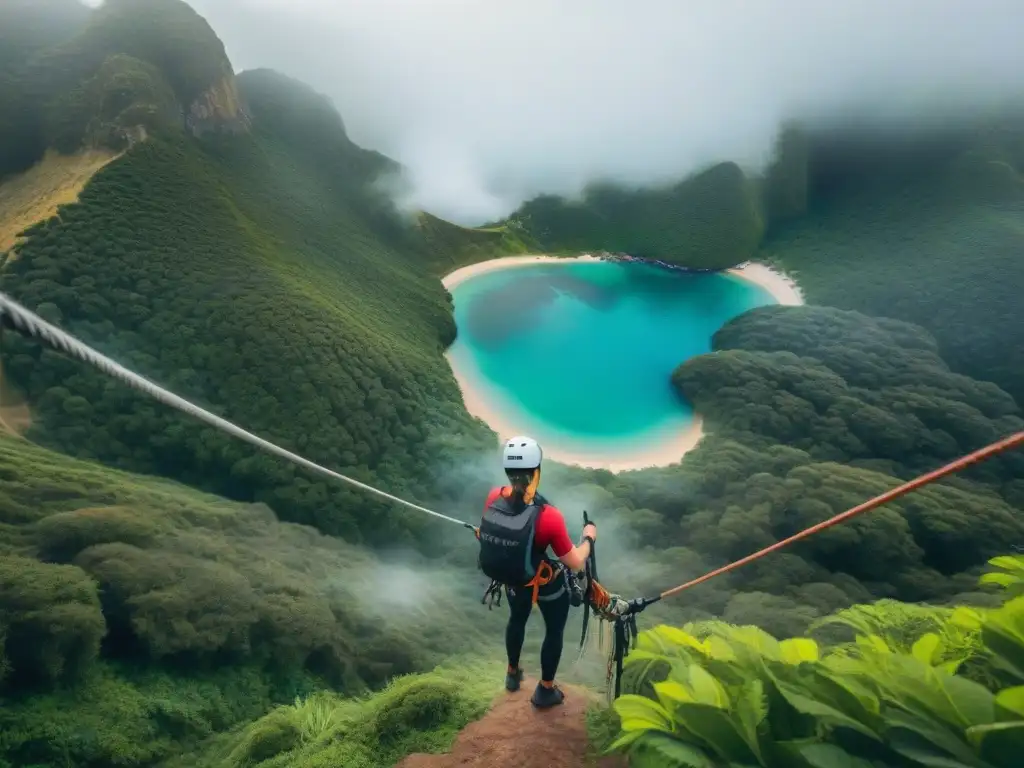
[36,194]
[515,735]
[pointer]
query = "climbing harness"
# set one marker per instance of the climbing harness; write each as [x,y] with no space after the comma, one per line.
[492,595]
[576,591]
[620,613]
[605,606]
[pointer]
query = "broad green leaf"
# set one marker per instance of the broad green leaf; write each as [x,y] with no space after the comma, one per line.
[797,650]
[976,734]
[719,649]
[873,643]
[929,742]
[805,703]
[1010,703]
[706,689]
[848,695]
[968,618]
[1000,578]
[1003,635]
[1008,562]
[640,713]
[931,693]
[670,641]
[716,728]
[830,756]
[1001,744]
[755,639]
[656,750]
[927,648]
[751,709]
[671,693]
[625,740]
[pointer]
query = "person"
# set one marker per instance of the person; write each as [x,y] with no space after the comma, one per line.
[517,529]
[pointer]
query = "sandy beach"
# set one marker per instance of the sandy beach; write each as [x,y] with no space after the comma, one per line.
[463,274]
[657,451]
[783,288]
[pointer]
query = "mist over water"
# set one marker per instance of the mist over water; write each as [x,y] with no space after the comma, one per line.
[580,355]
[487,104]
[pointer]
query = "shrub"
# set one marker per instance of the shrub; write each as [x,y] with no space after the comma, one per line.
[716,694]
[52,618]
[422,705]
[171,602]
[272,735]
[62,536]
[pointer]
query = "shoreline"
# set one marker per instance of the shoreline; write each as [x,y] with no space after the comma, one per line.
[658,452]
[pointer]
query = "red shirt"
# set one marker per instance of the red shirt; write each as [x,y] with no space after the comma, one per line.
[551,530]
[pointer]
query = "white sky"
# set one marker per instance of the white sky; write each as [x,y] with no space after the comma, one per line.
[489,102]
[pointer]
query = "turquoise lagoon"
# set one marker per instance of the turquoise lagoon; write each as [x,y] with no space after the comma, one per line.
[579,354]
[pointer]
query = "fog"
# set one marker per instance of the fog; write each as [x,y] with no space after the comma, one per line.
[489,103]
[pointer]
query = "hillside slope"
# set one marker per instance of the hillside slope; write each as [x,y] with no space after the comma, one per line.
[247,272]
[152,615]
[711,220]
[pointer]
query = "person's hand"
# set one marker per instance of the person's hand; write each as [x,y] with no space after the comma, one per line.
[590,530]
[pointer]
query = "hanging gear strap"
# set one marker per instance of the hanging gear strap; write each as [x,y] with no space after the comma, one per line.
[492,596]
[590,571]
[546,573]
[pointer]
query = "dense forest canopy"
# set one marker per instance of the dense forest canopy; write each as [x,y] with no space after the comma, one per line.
[244,253]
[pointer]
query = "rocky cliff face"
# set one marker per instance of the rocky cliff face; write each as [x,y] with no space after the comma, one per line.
[219,108]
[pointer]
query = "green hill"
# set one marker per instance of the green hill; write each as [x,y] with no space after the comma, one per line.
[939,247]
[711,220]
[262,252]
[138,616]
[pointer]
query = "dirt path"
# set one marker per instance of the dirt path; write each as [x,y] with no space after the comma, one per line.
[36,194]
[515,735]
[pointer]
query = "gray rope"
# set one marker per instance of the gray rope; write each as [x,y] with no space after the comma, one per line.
[32,325]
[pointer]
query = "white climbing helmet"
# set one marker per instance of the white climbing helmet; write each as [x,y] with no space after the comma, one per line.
[521,453]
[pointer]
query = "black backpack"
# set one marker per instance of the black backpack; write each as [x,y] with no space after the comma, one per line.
[507,533]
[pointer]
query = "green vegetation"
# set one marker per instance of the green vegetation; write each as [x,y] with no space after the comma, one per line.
[191,263]
[922,253]
[416,713]
[264,274]
[713,694]
[711,220]
[138,616]
[810,411]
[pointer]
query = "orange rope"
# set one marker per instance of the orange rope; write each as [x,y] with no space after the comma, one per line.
[980,455]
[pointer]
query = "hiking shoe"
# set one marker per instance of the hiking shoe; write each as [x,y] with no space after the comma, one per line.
[544,697]
[512,680]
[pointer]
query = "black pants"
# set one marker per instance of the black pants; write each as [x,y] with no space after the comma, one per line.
[555,610]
